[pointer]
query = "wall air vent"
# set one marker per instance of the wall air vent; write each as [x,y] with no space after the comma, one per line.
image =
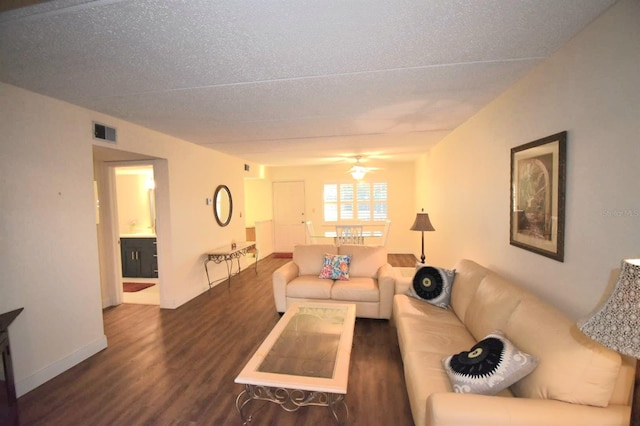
[104,133]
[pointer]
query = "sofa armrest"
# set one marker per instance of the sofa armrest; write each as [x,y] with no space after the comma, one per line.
[456,409]
[387,289]
[281,277]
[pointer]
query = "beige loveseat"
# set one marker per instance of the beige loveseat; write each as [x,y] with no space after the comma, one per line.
[576,382]
[371,284]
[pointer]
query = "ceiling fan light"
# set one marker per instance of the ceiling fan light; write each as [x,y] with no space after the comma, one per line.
[358,172]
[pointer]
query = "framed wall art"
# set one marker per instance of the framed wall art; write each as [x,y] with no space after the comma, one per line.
[538,196]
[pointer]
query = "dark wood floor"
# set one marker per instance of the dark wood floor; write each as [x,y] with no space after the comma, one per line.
[177,367]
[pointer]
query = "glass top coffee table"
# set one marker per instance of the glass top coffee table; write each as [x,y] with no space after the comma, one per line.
[303,361]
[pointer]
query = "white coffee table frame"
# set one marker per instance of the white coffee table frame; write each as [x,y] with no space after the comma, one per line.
[294,391]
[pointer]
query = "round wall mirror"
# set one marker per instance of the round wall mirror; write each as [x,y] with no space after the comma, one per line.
[222,205]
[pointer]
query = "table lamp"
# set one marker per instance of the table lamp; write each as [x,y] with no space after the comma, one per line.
[616,323]
[422,223]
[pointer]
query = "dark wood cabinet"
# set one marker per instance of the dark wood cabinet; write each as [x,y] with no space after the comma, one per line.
[139,257]
[8,400]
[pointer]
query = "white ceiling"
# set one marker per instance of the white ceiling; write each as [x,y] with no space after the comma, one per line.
[292,81]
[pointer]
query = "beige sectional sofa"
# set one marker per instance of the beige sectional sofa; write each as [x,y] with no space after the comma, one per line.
[371,284]
[576,382]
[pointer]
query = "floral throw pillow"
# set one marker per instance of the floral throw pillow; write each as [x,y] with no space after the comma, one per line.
[336,267]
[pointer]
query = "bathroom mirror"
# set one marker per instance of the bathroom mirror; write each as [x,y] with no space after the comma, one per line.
[222,205]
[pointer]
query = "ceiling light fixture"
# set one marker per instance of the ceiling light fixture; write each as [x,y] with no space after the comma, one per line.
[357,171]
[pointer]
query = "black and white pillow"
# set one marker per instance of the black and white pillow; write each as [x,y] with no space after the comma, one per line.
[491,365]
[432,285]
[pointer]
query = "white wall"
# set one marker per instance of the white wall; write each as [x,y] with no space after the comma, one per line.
[591,88]
[48,245]
[401,207]
[49,249]
[264,238]
[258,201]
[134,206]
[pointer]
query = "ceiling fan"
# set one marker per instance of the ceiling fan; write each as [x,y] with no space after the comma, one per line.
[359,171]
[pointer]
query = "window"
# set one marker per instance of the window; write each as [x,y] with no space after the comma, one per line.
[361,201]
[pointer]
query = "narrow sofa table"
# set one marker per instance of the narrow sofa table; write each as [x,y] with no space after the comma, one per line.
[226,254]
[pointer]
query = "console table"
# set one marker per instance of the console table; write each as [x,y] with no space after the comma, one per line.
[8,407]
[226,254]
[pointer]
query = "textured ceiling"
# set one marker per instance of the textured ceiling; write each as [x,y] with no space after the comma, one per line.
[287,82]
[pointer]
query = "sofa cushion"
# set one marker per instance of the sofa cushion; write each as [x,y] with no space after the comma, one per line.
[357,289]
[468,277]
[335,267]
[428,336]
[310,287]
[573,368]
[309,257]
[365,260]
[491,365]
[405,306]
[432,284]
[427,328]
[423,376]
[492,304]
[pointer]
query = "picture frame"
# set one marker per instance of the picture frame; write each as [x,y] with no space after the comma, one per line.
[537,205]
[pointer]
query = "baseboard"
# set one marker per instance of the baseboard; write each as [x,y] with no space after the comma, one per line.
[49,372]
[108,302]
[176,303]
[221,279]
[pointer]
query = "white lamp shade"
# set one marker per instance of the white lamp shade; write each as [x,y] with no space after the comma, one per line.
[616,324]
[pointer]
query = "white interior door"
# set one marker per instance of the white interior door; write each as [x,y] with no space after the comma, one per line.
[288,215]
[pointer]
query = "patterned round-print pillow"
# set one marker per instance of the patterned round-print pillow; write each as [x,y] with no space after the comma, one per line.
[491,365]
[432,285]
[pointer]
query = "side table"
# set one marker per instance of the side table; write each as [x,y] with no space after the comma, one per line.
[9,408]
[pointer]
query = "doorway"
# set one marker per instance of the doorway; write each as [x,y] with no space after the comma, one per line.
[109,226]
[288,215]
[136,214]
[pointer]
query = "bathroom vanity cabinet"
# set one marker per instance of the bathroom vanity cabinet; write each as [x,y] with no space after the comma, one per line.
[139,257]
